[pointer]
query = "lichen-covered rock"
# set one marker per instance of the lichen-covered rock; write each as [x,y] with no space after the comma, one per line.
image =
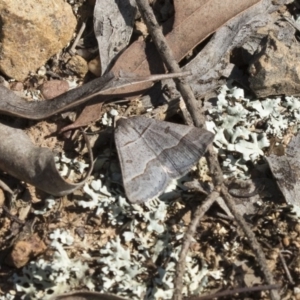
[275,69]
[31,32]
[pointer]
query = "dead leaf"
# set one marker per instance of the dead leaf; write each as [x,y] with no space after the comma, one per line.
[113,25]
[92,111]
[13,105]
[211,66]
[23,160]
[142,58]
[286,170]
[107,85]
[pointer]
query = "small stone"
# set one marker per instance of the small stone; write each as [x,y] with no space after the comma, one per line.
[113,112]
[53,88]
[95,66]
[16,86]
[42,71]
[297,228]
[78,65]
[20,254]
[12,292]
[274,70]
[296,290]
[286,241]
[31,32]
[23,251]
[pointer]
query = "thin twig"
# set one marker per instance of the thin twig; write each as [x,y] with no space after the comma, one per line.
[237,291]
[286,269]
[72,50]
[132,77]
[171,64]
[180,268]
[199,121]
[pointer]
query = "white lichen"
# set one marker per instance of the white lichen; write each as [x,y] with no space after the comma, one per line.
[235,118]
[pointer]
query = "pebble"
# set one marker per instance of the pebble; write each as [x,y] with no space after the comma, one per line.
[23,251]
[286,241]
[16,86]
[95,66]
[78,65]
[53,88]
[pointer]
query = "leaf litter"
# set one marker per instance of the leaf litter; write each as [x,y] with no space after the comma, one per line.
[139,260]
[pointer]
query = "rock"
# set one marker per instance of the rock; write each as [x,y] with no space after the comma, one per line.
[53,88]
[275,69]
[16,86]
[31,32]
[24,250]
[78,65]
[95,66]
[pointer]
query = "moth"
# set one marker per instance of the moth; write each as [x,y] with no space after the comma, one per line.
[152,153]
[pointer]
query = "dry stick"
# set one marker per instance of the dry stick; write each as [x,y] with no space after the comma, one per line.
[180,268]
[286,269]
[199,121]
[171,64]
[237,291]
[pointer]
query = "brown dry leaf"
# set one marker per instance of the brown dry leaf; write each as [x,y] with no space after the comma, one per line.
[211,66]
[91,113]
[142,58]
